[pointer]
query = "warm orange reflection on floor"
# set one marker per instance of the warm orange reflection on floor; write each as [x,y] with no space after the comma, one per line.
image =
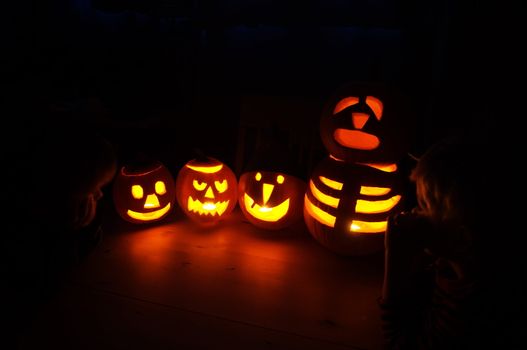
[281,281]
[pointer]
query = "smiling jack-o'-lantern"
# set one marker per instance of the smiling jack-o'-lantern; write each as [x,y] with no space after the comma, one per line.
[144,193]
[207,190]
[271,200]
[353,191]
[366,123]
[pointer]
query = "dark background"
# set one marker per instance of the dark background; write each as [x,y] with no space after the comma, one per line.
[165,77]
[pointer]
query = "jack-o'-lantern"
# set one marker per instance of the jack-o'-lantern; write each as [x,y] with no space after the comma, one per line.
[366,122]
[346,205]
[271,200]
[207,190]
[144,193]
[366,128]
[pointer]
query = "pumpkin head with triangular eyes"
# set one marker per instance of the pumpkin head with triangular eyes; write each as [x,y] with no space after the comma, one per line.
[207,190]
[271,200]
[144,193]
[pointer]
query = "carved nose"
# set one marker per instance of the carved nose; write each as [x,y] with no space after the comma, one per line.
[267,191]
[209,193]
[359,119]
[152,201]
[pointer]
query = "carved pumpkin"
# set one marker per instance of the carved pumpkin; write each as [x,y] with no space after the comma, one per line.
[271,200]
[144,193]
[366,128]
[207,190]
[347,205]
[366,123]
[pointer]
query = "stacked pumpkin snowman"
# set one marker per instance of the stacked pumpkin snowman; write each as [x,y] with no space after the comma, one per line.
[352,192]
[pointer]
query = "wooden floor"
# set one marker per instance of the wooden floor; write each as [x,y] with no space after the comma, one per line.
[174,285]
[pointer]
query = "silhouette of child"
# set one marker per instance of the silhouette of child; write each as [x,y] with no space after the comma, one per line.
[449,278]
[55,180]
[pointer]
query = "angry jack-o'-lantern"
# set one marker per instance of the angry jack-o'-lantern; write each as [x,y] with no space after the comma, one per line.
[352,192]
[271,200]
[207,190]
[144,193]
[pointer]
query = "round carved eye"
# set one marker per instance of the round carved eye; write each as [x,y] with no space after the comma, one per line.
[137,191]
[280,179]
[160,188]
[200,186]
[258,176]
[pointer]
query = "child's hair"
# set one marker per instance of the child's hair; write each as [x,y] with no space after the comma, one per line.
[91,156]
[458,184]
[446,181]
[67,165]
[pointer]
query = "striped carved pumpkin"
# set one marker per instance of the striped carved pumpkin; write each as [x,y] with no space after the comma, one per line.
[346,205]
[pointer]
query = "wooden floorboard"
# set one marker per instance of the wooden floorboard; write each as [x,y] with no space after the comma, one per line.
[232,286]
[85,319]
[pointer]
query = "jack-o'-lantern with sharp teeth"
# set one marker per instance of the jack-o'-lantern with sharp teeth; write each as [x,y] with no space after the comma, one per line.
[271,200]
[144,193]
[207,190]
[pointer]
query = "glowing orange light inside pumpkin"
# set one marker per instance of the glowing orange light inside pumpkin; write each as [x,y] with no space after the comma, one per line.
[263,212]
[345,103]
[206,169]
[319,214]
[361,206]
[206,190]
[271,200]
[144,195]
[351,193]
[356,139]
[208,208]
[376,106]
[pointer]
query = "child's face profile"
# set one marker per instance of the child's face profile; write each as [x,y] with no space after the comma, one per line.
[87,202]
[426,206]
[445,236]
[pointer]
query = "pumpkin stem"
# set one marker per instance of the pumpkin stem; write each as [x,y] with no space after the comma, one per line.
[200,155]
[142,161]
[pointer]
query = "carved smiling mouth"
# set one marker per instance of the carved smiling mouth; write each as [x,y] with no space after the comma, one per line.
[149,216]
[269,214]
[356,139]
[207,208]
